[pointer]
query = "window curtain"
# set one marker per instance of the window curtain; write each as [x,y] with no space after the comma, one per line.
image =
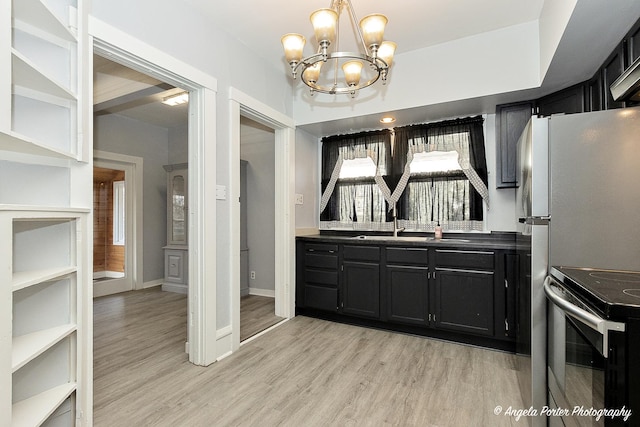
[339,197]
[466,137]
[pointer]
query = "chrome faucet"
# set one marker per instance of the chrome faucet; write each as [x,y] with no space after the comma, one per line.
[396,230]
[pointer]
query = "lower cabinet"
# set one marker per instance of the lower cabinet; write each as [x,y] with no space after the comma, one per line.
[464,301]
[454,291]
[408,294]
[361,289]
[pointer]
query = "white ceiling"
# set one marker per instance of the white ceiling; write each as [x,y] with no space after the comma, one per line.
[413,24]
[593,31]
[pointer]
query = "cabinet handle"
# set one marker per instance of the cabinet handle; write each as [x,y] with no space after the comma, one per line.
[332,251]
[453,251]
[311,250]
[459,270]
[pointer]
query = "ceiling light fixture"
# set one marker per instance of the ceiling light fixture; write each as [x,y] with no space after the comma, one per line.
[375,53]
[387,120]
[173,100]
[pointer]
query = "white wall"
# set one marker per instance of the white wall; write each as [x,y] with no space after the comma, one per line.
[117,134]
[177,29]
[307,181]
[260,155]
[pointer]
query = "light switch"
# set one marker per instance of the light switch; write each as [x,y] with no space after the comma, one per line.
[299,199]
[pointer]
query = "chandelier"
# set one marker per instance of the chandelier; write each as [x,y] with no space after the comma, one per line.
[375,54]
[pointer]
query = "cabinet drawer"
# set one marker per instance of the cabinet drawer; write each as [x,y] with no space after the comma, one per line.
[361,253]
[321,298]
[471,260]
[321,260]
[402,256]
[321,277]
[321,247]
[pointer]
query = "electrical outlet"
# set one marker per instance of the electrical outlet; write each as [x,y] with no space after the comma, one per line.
[299,199]
[253,275]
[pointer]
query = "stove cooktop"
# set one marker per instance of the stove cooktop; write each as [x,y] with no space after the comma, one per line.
[616,294]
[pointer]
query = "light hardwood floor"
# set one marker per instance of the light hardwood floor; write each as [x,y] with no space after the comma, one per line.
[257,313]
[306,372]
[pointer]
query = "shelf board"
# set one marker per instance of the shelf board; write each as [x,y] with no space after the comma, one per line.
[28,347]
[35,410]
[13,141]
[24,279]
[37,14]
[25,73]
[42,212]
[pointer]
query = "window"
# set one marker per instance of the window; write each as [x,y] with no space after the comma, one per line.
[446,179]
[353,167]
[437,173]
[118,213]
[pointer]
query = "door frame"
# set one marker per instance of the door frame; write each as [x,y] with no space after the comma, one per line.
[123,48]
[242,104]
[133,169]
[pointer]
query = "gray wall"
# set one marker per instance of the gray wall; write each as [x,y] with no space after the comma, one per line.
[179,144]
[121,135]
[258,149]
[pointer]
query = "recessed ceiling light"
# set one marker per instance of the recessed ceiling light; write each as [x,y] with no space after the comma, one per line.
[387,120]
[181,98]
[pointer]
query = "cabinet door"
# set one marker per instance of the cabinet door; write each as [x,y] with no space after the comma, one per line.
[511,120]
[407,294]
[612,69]
[361,289]
[177,207]
[464,301]
[567,101]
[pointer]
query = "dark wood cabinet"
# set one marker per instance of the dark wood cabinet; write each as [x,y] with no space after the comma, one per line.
[407,284]
[594,94]
[361,289]
[361,281]
[317,285]
[468,295]
[567,101]
[464,301]
[612,69]
[464,297]
[511,120]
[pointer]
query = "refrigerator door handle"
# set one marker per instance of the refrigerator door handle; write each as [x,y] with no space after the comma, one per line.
[535,220]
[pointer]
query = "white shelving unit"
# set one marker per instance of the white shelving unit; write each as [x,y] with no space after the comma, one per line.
[43,89]
[45,219]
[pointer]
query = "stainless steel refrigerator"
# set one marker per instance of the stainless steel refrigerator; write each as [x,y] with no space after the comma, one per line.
[578,205]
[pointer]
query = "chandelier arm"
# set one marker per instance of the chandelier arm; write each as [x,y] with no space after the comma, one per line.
[356,25]
[337,46]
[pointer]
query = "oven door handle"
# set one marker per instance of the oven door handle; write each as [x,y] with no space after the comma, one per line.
[596,323]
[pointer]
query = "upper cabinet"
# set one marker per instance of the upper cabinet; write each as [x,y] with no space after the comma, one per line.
[39,78]
[613,67]
[511,120]
[176,204]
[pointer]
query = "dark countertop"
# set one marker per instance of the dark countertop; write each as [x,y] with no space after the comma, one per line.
[455,241]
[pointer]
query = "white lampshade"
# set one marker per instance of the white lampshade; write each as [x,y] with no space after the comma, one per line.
[386,52]
[324,25]
[372,27]
[312,73]
[293,44]
[352,71]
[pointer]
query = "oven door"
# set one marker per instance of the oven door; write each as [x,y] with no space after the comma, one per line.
[577,349]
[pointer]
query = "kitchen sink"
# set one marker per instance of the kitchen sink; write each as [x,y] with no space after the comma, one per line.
[395,239]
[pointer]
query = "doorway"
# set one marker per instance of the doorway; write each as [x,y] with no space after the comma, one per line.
[257,229]
[109,225]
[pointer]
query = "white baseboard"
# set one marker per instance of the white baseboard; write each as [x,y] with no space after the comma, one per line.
[152,283]
[262,292]
[107,274]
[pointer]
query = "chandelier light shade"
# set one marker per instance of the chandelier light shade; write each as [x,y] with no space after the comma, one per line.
[359,69]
